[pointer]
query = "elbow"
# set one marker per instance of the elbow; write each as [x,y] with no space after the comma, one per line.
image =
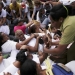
[35,50]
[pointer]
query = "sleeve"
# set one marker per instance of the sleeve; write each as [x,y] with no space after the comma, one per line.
[4,13]
[19,5]
[11,69]
[68,35]
[10,6]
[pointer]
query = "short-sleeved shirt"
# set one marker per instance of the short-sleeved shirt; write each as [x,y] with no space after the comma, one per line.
[15,8]
[23,27]
[68,30]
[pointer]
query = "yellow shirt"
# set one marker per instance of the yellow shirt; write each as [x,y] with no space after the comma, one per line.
[15,8]
[68,29]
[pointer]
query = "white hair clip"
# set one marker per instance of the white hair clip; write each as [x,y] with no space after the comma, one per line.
[26,53]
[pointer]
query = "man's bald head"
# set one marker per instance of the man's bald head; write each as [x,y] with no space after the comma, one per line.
[18,32]
[20,35]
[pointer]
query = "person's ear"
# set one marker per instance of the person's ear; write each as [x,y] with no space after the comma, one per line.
[61,19]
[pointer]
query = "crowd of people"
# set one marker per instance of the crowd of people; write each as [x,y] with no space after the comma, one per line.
[33,31]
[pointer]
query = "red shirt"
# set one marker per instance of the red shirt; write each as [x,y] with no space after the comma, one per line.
[23,27]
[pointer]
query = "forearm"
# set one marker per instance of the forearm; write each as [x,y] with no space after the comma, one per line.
[33,16]
[26,41]
[42,2]
[41,31]
[12,13]
[56,51]
[16,64]
[4,21]
[27,25]
[35,48]
[20,12]
[25,15]
[55,43]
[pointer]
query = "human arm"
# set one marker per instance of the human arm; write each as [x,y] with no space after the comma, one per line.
[55,43]
[38,18]
[67,38]
[34,11]
[30,23]
[20,11]
[35,48]
[56,51]
[30,48]
[25,42]
[3,21]
[13,68]
[25,15]
[12,11]
[26,10]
